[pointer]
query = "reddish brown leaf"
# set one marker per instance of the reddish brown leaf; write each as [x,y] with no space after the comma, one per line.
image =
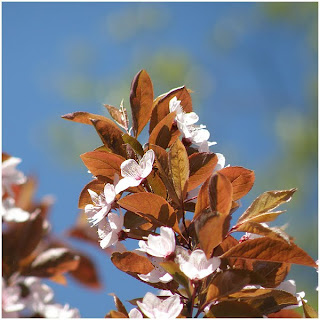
[103,163]
[220,194]
[83,231]
[162,164]
[51,262]
[179,168]
[272,302]
[20,241]
[161,134]
[131,262]
[118,115]
[110,135]
[203,203]
[24,200]
[156,184]
[5,156]
[161,105]
[134,143]
[266,217]
[309,312]
[151,207]
[133,221]
[119,305]
[267,249]
[265,203]
[285,313]
[273,272]
[201,168]
[83,117]
[242,180]
[86,273]
[115,314]
[226,283]
[212,224]
[211,230]
[258,228]
[233,309]
[59,278]
[141,100]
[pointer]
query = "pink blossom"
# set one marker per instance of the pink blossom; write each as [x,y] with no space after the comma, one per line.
[159,246]
[196,266]
[156,308]
[133,172]
[108,230]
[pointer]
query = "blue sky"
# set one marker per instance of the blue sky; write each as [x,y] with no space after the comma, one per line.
[244,67]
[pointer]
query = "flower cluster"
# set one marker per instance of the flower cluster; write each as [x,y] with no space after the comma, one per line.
[29,254]
[199,265]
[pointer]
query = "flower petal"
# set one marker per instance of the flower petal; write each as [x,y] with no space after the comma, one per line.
[146,163]
[99,215]
[109,193]
[109,240]
[130,168]
[94,197]
[190,118]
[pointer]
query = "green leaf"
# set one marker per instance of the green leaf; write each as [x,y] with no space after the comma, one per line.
[141,101]
[179,168]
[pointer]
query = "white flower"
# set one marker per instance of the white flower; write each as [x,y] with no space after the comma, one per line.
[109,230]
[290,286]
[165,293]
[11,213]
[156,308]
[159,246]
[196,134]
[101,203]
[196,266]
[59,311]
[135,313]
[10,175]
[133,172]
[11,303]
[221,162]
[39,294]
[158,274]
